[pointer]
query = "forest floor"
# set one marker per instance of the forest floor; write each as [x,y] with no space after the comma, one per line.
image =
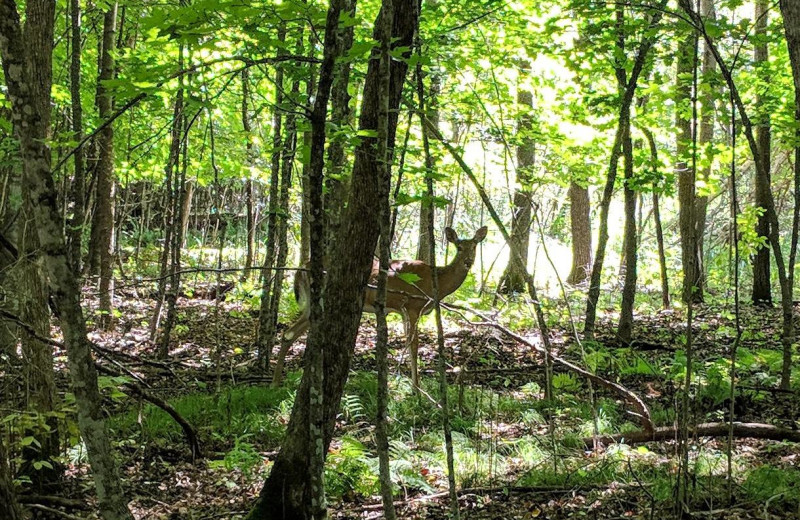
[517,455]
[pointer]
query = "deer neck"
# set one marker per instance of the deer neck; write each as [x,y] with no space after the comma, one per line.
[451,276]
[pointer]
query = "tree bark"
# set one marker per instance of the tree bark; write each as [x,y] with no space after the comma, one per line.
[9,507]
[265,334]
[384,33]
[625,329]
[179,194]
[27,66]
[168,215]
[762,292]
[785,274]
[581,231]
[77,195]
[249,188]
[791,23]
[102,240]
[662,257]
[705,142]
[427,211]
[626,100]
[289,151]
[37,356]
[686,175]
[513,279]
[286,492]
[337,179]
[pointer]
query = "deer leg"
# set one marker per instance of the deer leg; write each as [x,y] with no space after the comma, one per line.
[412,342]
[290,335]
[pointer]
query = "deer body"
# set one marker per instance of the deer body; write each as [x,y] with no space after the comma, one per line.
[411,297]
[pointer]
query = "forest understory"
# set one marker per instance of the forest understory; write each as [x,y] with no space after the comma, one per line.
[517,456]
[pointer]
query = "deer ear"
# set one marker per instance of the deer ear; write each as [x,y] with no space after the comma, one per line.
[480,234]
[451,235]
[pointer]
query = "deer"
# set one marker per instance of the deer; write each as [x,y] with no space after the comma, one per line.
[409,292]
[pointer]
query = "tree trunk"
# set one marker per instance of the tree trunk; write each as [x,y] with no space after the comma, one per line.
[265,334]
[286,492]
[581,228]
[705,141]
[186,209]
[249,188]
[27,66]
[179,191]
[762,293]
[791,23]
[513,279]
[305,222]
[282,223]
[662,257]
[625,329]
[37,356]
[169,216]
[626,95]
[785,274]
[427,211]
[9,507]
[686,175]
[77,195]
[336,180]
[102,243]
[384,34]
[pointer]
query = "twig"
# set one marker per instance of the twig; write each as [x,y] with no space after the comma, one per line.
[54,511]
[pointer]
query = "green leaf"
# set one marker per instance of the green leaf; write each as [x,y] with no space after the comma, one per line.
[39,464]
[27,441]
[409,278]
[367,132]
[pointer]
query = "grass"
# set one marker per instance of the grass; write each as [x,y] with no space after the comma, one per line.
[258,412]
[499,438]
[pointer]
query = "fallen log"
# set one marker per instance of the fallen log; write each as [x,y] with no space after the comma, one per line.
[721,429]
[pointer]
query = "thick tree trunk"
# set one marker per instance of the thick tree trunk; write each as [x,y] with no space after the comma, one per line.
[286,492]
[337,182]
[762,292]
[27,65]
[9,253]
[102,242]
[513,279]
[581,231]
[37,356]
